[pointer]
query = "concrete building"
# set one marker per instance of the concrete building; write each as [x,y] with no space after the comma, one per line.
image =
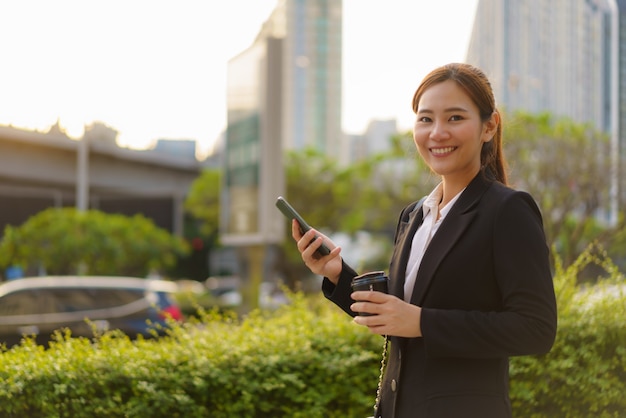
[376,139]
[40,170]
[546,55]
[559,56]
[311,32]
[180,148]
[618,84]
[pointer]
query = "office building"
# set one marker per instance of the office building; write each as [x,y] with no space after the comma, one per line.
[619,105]
[283,93]
[558,56]
[313,74]
[311,32]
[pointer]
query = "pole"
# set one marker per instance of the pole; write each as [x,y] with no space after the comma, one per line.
[82,175]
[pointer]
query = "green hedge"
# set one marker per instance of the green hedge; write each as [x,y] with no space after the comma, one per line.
[300,361]
[305,360]
[584,375]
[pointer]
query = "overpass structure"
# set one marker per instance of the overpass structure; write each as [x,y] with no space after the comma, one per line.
[41,170]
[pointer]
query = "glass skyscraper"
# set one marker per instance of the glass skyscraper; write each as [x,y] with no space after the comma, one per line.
[284,93]
[311,31]
[558,56]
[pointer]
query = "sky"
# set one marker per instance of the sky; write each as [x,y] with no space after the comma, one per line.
[154,69]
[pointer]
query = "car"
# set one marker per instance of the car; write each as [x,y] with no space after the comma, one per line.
[37,306]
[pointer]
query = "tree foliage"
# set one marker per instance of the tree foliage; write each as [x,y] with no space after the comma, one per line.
[565,166]
[67,241]
[364,196]
[203,202]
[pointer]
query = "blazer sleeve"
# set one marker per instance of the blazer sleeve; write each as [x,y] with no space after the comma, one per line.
[340,294]
[527,322]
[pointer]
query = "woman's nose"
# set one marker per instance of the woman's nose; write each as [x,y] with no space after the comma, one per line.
[438,131]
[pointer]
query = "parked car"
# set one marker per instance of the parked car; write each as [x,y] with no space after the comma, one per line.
[40,305]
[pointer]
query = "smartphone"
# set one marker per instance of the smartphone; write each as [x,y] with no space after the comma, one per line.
[291,213]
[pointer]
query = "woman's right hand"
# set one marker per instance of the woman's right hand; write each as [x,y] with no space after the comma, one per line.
[329,265]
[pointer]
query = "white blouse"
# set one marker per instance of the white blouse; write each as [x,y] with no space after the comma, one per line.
[432,219]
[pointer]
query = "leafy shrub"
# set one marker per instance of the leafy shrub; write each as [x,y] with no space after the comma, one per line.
[68,241]
[300,361]
[584,375]
[305,360]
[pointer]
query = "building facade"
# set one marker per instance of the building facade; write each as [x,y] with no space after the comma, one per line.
[558,56]
[253,170]
[42,170]
[311,31]
[619,84]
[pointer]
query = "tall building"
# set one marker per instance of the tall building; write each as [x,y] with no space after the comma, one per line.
[557,56]
[311,31]
[253,173]
[546,55]
[313,74]
[283,93]
[619,84]
[376,139]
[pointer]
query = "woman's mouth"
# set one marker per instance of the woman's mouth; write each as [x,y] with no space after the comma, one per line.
[442,151]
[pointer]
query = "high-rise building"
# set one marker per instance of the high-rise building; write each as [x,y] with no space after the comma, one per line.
[557,56]
[619,84]
[283,93]
[252,160]
[546,55]
[311,31]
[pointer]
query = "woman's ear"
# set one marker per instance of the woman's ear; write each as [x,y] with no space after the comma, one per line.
[490,126]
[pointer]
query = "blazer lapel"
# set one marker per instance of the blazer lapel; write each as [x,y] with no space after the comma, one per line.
[450,231]
[408,225]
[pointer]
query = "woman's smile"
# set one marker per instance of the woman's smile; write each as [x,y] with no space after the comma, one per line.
[442,151]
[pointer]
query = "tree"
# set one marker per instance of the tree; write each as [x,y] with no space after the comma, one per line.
[203,201]
[565,166]
[67,241]
[202,222]
[365,196]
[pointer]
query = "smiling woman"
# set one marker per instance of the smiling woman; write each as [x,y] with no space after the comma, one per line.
[470,283]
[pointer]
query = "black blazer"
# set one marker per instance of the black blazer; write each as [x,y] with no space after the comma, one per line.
[486,293]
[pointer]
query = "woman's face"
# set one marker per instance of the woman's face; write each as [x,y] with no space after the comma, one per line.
[449,133]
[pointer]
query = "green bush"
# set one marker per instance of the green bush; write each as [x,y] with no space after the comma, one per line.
[68,241]
[304,360]
[300,361]
[584,375]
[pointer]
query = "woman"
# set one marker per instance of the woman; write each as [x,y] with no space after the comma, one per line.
[470,282]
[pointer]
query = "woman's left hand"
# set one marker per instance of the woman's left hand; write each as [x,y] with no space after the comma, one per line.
[390,315]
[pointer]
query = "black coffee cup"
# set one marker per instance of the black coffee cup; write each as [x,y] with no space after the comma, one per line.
[375,280]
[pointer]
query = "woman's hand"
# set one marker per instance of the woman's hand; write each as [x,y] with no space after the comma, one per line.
[391,315]
[328,265]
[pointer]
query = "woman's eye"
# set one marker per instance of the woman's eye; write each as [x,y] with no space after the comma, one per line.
[456,118]
[423,119]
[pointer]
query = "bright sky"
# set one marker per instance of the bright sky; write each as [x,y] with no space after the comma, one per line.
[157,69]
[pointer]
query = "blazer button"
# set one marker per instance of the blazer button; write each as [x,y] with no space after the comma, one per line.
[394,385]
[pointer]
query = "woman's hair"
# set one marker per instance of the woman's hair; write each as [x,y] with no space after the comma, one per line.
[475,83]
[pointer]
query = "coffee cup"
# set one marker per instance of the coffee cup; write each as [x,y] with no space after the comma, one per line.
[372,281]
